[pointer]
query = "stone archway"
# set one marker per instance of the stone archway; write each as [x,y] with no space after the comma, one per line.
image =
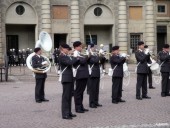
[99,22]
[93,16]
[21,22]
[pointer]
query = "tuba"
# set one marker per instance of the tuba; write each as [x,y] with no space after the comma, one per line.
[46,43]
[154,66]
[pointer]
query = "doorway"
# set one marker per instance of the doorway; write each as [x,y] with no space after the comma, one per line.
[12,42]
[59,39]
[161,37]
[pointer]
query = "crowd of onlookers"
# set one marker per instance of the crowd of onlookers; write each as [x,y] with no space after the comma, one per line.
[18,57]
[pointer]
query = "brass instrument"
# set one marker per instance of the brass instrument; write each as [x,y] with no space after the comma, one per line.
[46,43]
[78,54]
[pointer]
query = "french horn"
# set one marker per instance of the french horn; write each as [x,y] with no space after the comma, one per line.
[44,42]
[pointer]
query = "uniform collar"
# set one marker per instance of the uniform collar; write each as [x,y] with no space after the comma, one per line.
[63,53]
[38,55]
[77,51]
[140,50]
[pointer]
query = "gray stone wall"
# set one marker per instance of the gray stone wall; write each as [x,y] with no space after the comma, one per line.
[136,26]
[1,54]
[60,2]
[46,16]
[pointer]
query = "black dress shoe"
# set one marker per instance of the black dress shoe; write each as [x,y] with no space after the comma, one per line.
[120,100]
[163,95]
[152,87]
[67,117]
[44,100]
[98,105]
[85,110]
[146,97]
[73,115]
[93,106]
[139,98]
[167,94]
[114,102]
[38,101]
[79,111]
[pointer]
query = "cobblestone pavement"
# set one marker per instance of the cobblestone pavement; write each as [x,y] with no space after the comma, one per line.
[19,110]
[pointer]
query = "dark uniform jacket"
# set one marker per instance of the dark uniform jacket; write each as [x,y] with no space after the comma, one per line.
[94,61]
[142,60]
[56,55]
[165,61]
[119,61]
[36,63]
[19,54]
[66,61]
[82,71]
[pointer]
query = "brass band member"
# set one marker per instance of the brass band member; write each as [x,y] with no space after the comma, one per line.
[94,80]
[117,62]
[165,70]
[142,71]
[38,62]
[66,63]
[149,75]
[81,78]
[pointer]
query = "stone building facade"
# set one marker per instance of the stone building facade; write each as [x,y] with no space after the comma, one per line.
[108,22]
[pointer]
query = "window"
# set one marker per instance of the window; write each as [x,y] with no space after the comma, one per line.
[20,10]
[161,9]
[90,41]
[134,39]
[135,13]
[60,12]
[161,29]
[98,11]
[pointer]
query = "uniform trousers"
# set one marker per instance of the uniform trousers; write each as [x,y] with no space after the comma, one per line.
[66,98]
[150,78]
[165,83]
[78,93]
[141,83]
[39,89]
[116,88]
[94,90]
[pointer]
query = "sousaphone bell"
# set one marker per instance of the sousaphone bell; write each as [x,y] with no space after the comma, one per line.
[44,42]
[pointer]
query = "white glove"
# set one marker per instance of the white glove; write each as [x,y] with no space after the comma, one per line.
[87,52]
[44,62]
[146,51]
[123,54]
[75,54]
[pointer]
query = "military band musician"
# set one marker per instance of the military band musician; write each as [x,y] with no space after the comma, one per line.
[94,80]
[165,70]
[117,62]
[142,71]
[66,63]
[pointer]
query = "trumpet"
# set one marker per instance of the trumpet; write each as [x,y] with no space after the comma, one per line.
[108,53]
[102,53]
[78,54]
